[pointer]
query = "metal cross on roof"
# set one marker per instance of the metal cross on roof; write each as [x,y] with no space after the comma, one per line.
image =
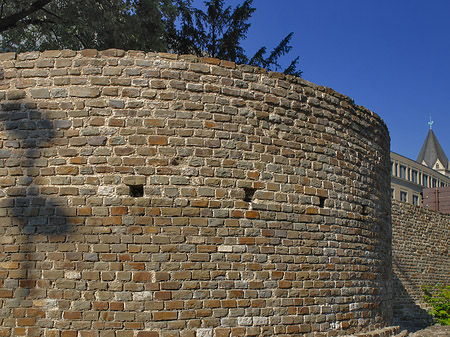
[430,123]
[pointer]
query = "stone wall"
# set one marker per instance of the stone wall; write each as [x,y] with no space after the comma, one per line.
[162,195]
[420,257]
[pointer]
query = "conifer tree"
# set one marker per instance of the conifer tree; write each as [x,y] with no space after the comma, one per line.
[218,32]
[81,24]
[158,25]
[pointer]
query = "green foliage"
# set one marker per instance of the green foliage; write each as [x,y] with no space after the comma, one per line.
[81,24]
[271,61]
[158,25]
[438,297]
[218,32]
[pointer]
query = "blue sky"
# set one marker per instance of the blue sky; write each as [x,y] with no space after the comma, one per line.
[393,57]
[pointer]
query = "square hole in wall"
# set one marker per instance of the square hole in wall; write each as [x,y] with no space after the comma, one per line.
[249,193]
[322,202]
[136,190]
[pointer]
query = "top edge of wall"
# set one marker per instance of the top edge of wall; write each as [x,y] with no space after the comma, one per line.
[119,53]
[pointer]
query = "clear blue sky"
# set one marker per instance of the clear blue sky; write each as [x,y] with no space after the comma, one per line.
[393,57]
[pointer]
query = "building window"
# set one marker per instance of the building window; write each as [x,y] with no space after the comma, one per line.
[415,200]
[392,193]
[434,183]
[403,196]
[402,171]
[425,180]
[392,168]
[414,176]
[437,165]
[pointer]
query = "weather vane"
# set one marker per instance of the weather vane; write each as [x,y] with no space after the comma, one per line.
[430,123]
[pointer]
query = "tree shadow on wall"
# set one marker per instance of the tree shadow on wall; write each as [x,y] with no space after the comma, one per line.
[32,210]
[25,150]
[407,313]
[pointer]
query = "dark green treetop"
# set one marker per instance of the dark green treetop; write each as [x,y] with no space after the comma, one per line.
[158,25]
[81,24]
[218,32]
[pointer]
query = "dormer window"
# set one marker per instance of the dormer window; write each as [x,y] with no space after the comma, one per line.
[437,165]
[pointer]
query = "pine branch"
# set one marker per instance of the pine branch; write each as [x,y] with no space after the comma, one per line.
[292,69]
[238,26]
[12,20]
[258,58]
[280,50]
[1,10]
[51,13]
[36,22]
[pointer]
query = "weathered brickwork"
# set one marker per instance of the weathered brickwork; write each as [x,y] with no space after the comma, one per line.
[420,257]
[159,195]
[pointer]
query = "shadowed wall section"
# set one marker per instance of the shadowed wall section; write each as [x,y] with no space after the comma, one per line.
[420,258]
[163,195]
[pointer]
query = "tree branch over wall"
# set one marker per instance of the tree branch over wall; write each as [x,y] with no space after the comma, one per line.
[12,20]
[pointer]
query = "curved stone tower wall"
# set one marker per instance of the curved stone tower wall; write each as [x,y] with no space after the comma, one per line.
[163,195]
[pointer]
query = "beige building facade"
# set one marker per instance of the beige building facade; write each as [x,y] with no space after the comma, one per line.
[409,178]
[430,170]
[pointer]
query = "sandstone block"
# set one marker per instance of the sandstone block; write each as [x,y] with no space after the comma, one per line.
[40,93]
[15,94]
[97,140]
[84,92]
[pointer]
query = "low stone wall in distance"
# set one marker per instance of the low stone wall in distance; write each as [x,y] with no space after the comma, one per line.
[161,195]
[420,257]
